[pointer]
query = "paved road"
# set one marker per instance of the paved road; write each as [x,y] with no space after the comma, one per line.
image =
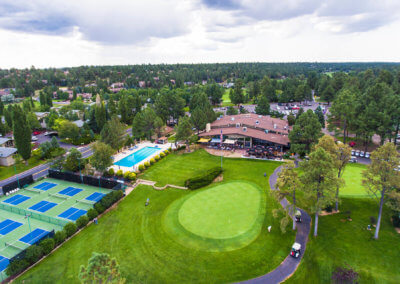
[42,170]
[290,264]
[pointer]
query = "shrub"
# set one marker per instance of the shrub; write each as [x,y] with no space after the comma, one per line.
[92,213]
[396,220]
[132,176]
[141,167]
[70,229]
[162,154]
[33,253]
[329,208]
[82,221]
[120,173]
[166,152]
[146,164]
[99,207]
[169,149]
[152,161]
[126,175]
[59,237]
[372,220]
[110,199]
[203,179]
[47,245]
[111,172]
[157,157]
[17,266]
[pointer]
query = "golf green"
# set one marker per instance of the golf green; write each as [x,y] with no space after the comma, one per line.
[223,217]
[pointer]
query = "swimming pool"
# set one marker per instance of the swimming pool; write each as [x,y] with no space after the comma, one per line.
[137,157]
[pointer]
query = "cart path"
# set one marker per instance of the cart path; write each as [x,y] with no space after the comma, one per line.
[290,264]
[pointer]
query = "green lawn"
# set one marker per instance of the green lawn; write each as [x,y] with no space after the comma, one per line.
[6,172]
[341,242]
[353,181]
[134,234]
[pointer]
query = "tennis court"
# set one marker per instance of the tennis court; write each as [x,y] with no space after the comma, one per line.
[33,212]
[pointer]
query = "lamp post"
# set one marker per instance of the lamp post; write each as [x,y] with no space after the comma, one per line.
[27,216]
[16,175]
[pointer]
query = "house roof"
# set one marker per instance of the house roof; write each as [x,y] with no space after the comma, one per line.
[263,122]
[254,133]
[4,140]
[7,151]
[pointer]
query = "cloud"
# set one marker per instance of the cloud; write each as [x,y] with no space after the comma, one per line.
[108,22]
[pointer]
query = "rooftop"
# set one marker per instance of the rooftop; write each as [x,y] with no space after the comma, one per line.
[7,151]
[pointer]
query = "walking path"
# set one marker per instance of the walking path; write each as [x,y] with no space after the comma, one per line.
[290,264]
[152,183]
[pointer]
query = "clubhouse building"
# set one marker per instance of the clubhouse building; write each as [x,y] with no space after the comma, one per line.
[247,131]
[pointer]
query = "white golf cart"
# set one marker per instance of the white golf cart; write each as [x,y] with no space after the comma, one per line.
[297,216]
[296,248]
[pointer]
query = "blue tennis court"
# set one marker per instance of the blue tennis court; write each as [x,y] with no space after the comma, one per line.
[72,214]
[32,237]
[70,191]
[45,185]
[95,196]
[8,226]
[3,263]
[16,199]
[43,206]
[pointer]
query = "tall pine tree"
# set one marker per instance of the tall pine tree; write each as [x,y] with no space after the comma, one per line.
[22,133]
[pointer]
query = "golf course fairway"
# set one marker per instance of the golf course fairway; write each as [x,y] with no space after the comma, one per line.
[222,217]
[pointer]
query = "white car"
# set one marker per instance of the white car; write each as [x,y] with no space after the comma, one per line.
[367,155]
[34,138]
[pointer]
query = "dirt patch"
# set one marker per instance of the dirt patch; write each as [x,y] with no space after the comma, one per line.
[325,213]
[219,178]
[397,230]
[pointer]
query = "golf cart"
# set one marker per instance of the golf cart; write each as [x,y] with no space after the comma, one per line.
[297,216]
[296,247]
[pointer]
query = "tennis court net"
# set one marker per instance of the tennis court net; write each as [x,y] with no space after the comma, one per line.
[17,247]
[58,196]
[87,202]
[33,190]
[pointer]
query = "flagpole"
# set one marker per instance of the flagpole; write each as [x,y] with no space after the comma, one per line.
[221,148]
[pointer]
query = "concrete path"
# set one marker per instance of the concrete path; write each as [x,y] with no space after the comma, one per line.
[152,183]
[290,264]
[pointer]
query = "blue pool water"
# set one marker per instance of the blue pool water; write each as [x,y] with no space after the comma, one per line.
[137,157]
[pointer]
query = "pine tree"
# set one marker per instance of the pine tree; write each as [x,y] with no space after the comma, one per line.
[22,133]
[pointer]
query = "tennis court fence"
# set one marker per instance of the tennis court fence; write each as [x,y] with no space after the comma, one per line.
[89,180]
[18,183]
[33,215]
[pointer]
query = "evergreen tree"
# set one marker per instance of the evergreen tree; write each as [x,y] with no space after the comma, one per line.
[199,119]
[101,269]
[320,115]
[263,106]
[22,133]
[184,130]
[100,115]
[112,133]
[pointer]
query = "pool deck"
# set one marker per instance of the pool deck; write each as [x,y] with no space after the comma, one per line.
[125,153]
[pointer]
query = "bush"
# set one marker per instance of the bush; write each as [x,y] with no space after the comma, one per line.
[17,266]
[33,253]
[169,149]
[70,229]
[203,179]
[162,154]
[146,164]
[166,152]
[47,245]
[111,172]
[329,208]
[82,221]
[132,176]
[372,220]
[92,213]
[110,199]
[157,157]
[99,208]
[59,237]
[152,161]
[141,167]
[396,220]
[120,173]
[126,175]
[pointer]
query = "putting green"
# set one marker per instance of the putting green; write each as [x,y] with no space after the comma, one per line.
[223,217]
[221,212]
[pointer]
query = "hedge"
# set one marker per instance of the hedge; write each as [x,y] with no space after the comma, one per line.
[141,167]
[146,164]
[92,213]
[203,179]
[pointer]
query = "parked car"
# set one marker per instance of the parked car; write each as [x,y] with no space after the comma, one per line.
[36,132]
[367,155]
[357,153]
[34,138]
[353,152]
[353,159]
[362,154]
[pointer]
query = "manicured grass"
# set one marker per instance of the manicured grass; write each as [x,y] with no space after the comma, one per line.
[133,233]
[175,169]
[6,172]
[225,97]
[353,181]
[342,242]
[223,211]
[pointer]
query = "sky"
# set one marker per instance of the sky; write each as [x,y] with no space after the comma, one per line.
[55,33]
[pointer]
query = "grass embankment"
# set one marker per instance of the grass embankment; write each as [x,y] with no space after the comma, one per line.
[6,172]
[134,234]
